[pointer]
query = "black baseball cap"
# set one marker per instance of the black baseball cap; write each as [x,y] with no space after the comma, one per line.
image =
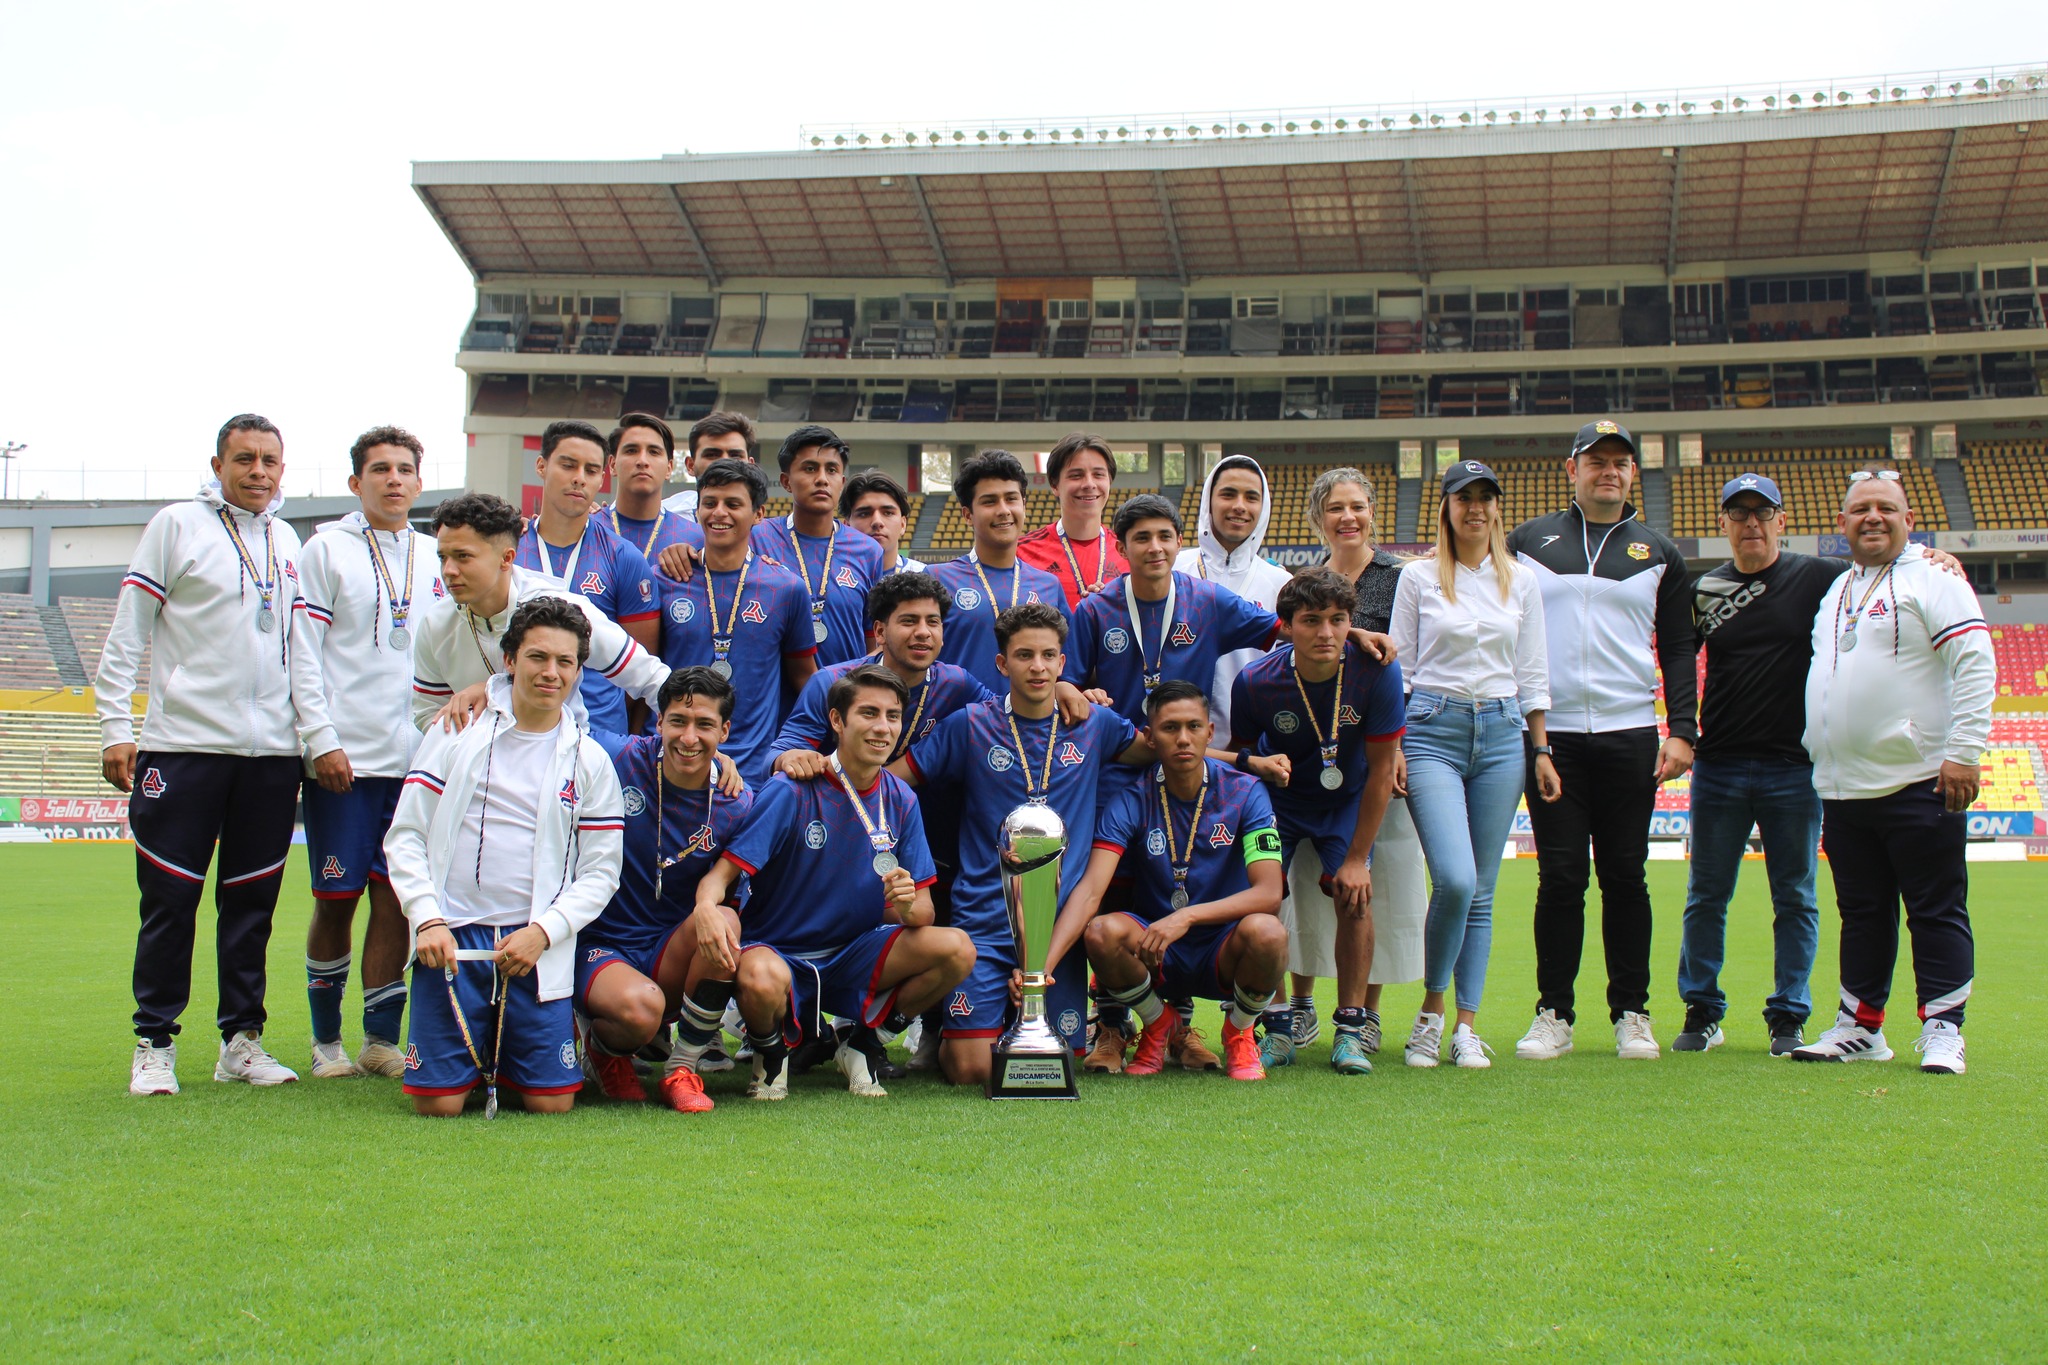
[1606,429]
[1466,472]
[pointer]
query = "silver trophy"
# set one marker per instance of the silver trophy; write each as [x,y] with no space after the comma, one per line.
[1032,1061]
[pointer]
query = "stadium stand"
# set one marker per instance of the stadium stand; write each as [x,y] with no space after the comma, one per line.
[50,753]
[2022,660]
[25,659]
[954,535]
[2007,482]
[1812,480]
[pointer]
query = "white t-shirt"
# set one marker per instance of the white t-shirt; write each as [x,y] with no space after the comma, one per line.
[499,825]
[1478,648]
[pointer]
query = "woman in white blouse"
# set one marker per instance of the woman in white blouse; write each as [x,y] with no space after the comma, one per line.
[1469,627]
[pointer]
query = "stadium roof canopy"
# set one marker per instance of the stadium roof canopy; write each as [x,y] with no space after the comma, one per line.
[1462,194]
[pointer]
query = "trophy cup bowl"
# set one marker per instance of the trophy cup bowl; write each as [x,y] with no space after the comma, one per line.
[1031,1060]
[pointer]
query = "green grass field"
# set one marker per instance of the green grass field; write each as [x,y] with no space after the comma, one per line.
[1701,1207]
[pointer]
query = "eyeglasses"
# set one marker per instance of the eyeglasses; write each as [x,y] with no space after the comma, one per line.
[1742,514]
[1888,475]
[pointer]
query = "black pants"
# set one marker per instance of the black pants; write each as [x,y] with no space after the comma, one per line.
[182,803]
[1906,845]
[1609,795]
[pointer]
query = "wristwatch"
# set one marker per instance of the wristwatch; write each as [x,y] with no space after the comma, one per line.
[1541,748]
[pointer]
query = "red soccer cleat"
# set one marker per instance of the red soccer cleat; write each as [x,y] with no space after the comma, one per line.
[684,1091]
[1241,1053]
[615,1076]
[1150,1058]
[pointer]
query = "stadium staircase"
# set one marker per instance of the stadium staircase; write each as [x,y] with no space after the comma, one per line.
[1407,511]
[1657,499]
[927,524]
[1955,494]
[63,649]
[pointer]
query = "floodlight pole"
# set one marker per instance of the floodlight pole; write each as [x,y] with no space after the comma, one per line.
[9,453]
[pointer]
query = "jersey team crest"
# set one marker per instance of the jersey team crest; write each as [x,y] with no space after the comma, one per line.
[153,784]
[1286,722]
[814,834]
[1219,837]
[967,599]
[332,869]
[1155,842]
[568,793]
[1347,715]
[1183,634]
[1638,550]
[682,610]
[960,1008]
[1071,755]
[591,584]
[1000,759]
[753,615]
[846,578]
[635,800]
[702,841]
[1115,640]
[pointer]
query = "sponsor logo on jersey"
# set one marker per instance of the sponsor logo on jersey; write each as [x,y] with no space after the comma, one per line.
[814,834]
[1000,759]
[1115,640]
[636,800]
[332,869]
[1546,541]
[646,591]
[568,793]
[753,614]
[967,599]
[1347,715]
[1182,635]
[1287,722]
[1219,837]
[153,784]
[682,610]
[1155,842]
[591,584]
[846,577]
[1715,601]
[1638,550]
[1071,755]
[959,1008]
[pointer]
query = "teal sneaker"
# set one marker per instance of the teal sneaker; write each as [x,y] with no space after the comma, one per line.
[1347,1055]
[1276,1049]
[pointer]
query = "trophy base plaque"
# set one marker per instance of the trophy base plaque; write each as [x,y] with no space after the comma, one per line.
[1032,1076]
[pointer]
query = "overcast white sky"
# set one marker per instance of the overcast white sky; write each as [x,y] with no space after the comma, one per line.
[206,207]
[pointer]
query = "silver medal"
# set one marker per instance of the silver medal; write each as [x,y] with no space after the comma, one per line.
[819,632]
[1179,899]
[721,668]
[1848,641]
[1332,779]
[401,638]
[885,863]
[266,620]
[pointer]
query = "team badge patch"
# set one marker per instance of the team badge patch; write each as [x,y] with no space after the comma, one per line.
[753,614]
[646,591]
[681,611]
[1031,596]
[959,1009]
[967,599]
[1000,759]
[439,591]
[594,955]
[332,869]
[1287,722]
[814,834]
[1638,550]
[1071,755]
[1879,611]
[846,578]
[1219,837]
[1155,842]
[1115,640]
[1347,715]
[635,799]
[1607,428]
[702,840]
[591,583]
[568,793]
[153,784]
[1182,635]
[569,1055]
[412,1058]
[1070,1021]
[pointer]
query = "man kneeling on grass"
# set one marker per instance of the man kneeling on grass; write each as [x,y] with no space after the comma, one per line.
[1204,915]
[507,841]
[838,918]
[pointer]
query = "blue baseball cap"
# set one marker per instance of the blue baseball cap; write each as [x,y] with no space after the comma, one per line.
[1759,484]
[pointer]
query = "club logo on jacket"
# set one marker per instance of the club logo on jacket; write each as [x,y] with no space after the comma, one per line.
[814,834]
[1879,611]
[332,869]
[846,578]
[1219,837]
[568,794]
[1182,635]
[1115,640]
[635,799]
[1638,550]
[967,599]
[439,591]
[591,584]
[682,611]
[153,784]
[753,614]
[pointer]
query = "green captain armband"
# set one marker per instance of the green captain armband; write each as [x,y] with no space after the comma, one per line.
[1261,845]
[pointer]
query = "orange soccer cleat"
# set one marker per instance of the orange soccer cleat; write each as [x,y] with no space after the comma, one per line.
[684,1091]
[1241,1053]
[615,1076]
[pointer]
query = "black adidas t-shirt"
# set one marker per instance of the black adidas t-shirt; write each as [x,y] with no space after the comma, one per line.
[1758,633]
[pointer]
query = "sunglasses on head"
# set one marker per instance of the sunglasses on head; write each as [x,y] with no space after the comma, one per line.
[1888,475]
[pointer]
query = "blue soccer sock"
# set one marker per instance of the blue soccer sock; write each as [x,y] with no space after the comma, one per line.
[1349,1020]
[384,1011]
[326,982]
[1140,1000]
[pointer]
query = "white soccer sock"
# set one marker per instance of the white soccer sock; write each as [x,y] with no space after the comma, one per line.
[1140,1000]
[1245,1008]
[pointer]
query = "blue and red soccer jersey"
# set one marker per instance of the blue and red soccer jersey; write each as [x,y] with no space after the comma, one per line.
[618,582]
[1234,810]
[1208,622]
[770,622]
[855,563]
[650,538]
[970,641]
[945,690]
[693,828]
[812,887]
[1270,716]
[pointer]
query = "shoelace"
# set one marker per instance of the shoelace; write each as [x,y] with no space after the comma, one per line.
[1943,1039]
[1465,1044]
[1427,1038]
[1636,1029]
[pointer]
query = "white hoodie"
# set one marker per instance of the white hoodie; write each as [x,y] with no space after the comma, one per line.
[446,658]
[578,838]
[1241,570]
[348,634]
[217,684]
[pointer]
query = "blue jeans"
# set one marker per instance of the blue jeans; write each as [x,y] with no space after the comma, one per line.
[1728,796]
[1464,777]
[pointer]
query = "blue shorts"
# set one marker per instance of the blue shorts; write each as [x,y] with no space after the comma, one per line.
[1328,830]
[345,835]
[1190,967]
[979,1007]
[539,1052]
[842,985]
[592,958]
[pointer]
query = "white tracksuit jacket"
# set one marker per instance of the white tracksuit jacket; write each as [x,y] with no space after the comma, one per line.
[1245,573]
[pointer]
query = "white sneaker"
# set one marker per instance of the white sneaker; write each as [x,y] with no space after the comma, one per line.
[860,1079]
[379,1058]
[242,1058]
[1847,1041]
[1548,1037]
[154,1070]
[1468,1050]
[766,1087]
[1633,1041]
[330,1061]
[1425,1040]
[1941,1048]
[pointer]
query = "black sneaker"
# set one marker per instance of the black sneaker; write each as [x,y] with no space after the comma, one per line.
[1786,1033]
[812,1052]
[1701,1032]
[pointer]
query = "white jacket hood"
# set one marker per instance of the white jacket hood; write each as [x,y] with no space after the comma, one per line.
[1235,567]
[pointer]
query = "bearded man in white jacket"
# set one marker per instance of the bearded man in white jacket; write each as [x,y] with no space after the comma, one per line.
[506,843]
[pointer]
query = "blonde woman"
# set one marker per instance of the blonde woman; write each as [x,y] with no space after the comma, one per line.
[1469,625]
[1340,512]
